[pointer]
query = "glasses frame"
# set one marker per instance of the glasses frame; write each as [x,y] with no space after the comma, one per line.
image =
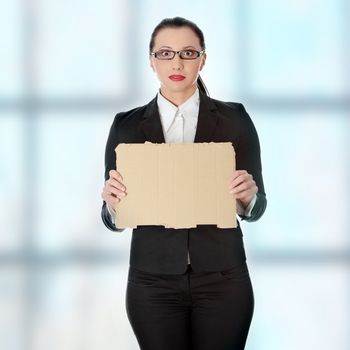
[199,54]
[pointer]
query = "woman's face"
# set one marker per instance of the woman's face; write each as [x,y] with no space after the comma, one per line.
[177,39]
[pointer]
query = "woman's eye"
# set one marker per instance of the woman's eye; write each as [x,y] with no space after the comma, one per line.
[165,53]
[189,53]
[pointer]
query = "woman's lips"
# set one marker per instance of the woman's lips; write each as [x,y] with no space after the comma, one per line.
[176,77]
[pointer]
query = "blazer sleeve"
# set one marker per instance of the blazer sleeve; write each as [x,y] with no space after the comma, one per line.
[248,158]
[110,163]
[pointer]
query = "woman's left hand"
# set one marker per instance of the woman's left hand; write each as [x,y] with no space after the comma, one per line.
[242,186]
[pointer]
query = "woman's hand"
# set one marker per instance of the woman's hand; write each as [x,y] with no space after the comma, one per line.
[113,190]
[243,187]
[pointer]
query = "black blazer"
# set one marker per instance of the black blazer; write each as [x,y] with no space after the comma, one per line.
[157,249]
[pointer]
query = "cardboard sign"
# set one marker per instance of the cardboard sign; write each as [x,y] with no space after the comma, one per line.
[176,185]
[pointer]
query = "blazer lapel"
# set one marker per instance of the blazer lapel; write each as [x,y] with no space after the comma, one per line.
[206,125]
[151,124]
[207,119]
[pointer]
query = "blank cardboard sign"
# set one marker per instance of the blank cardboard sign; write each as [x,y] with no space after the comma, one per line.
[176,185]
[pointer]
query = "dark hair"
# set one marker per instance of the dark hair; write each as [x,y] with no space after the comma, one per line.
[178,22]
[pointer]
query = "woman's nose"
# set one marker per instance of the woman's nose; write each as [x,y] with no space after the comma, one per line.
[177,63]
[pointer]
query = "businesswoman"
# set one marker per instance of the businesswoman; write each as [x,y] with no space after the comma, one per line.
[188,289]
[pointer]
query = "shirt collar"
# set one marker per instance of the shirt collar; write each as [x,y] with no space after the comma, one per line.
[167,110]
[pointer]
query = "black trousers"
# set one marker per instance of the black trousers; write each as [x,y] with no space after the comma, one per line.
[192,311]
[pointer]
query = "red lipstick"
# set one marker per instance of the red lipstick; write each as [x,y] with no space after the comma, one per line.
[176,77]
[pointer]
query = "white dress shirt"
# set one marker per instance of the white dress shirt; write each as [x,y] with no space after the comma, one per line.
[179,123]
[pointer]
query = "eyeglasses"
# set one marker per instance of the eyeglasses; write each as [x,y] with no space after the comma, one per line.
[188,54]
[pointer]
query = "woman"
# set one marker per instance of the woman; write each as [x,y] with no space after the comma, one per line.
[188,288]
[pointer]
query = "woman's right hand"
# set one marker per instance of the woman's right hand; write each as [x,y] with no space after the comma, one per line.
[113,190]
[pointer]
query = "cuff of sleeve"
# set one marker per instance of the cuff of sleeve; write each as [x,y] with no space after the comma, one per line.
[247,211]
[112,213]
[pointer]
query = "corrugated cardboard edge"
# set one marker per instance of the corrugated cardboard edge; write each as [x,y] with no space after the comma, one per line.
[210,202]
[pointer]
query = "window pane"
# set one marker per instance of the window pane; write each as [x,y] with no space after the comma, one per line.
[12,181]
[305,159]
[11,48]
[296,48]
[83,308]
[301,307]
[81,48]
[71,178]
[12,308]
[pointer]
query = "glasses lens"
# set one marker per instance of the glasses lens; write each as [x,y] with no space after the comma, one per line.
[189,54]
[165,54]
[170,54]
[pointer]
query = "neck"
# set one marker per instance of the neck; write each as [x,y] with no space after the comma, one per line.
[178,97]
